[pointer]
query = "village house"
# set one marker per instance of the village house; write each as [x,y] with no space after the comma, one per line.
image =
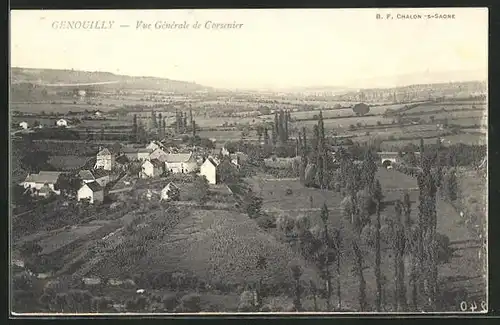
[91,191]
[105,159]
[152,168]
[37,181]
[181,163]
[23,125]
[170,192]
[209,170]
[134,154]
[62,122]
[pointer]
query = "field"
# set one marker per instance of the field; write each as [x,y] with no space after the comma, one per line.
[222,246]
[69,162]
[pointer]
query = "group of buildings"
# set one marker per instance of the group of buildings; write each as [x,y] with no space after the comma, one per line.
[155,161]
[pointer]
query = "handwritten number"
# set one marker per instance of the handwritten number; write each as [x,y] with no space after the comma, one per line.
[463,306]
[483,306]
[473,306]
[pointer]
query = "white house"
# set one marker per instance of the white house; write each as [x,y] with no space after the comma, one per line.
[23,125]
[181,163]
[209,170]
[91,191]
[62,122]
[169,192]
[152,168]
[37,181]
[105,159]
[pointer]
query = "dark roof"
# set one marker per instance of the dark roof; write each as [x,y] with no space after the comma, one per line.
[157,163]
[212,161]
[98,173]
[122,159]
[86,175]
[94,186]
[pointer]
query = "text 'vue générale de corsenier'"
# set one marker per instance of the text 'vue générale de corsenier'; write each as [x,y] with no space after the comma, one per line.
[143,25]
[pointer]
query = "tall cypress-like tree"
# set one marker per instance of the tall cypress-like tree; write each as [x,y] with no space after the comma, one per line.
[134,128]
[287,117]
[359,270]
[191,115]
[274,135]
[153,119]
[193,126]
[266,136]
[160,126]
[378,275]
[327,245]
[276,130]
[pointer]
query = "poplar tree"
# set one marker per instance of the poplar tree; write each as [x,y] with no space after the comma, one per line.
[266,136]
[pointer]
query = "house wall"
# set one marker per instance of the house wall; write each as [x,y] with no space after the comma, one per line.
[209,171]
[85,193]
[181,167]
[105,162]
[143,155]
[98,196]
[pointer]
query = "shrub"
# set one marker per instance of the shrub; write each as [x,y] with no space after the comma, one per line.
[246,302]
[170,301]
[289,191]
[266,222]
[190,303]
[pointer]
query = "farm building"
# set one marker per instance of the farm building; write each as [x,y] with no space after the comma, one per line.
[62,122]
[181,162]
[209,170]
[170,192]
[86,176]
[91,191]
[105,159]
[23,125]
[137,153]
[152,168]
[37,181]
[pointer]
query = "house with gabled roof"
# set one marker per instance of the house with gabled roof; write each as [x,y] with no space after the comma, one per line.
[91,191]
[159,154]
[41,179]
[152,168]
[181,163]
[105,159]
[134,154]
[209,170]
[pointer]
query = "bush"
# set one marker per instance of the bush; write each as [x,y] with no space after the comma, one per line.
[190,303]
[266,222]
[246,302]
[289,191]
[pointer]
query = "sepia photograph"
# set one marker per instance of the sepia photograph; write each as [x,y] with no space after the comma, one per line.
[257,161]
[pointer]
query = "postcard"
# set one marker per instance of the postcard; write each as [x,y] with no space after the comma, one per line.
[278,161]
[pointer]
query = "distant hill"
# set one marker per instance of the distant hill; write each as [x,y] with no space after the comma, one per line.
[23,80]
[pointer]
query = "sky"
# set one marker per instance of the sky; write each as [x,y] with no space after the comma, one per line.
[273,49]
